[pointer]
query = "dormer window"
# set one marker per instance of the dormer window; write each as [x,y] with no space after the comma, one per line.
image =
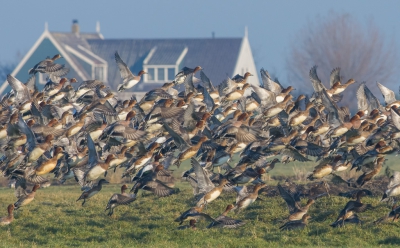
[171,74]
[162,63]
[99,73]
[159,73]
[151,75]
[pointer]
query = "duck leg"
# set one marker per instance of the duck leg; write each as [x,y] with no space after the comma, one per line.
[111,212]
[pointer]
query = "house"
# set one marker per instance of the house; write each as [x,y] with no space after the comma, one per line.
[91,56]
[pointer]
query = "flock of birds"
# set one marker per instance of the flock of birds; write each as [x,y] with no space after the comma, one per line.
[85,132]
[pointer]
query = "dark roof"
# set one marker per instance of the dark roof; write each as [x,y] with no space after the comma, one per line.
[167,54]
[217,56]
[71,39]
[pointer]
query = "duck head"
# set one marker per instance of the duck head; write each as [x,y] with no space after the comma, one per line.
[141,73]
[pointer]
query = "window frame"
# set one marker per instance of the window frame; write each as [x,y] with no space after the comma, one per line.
[105,70]
[156,67]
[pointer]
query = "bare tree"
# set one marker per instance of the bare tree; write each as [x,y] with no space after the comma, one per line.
[340,41]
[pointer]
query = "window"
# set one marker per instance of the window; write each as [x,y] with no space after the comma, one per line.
[171,74]
[151,74]
[161,74]
[99,73]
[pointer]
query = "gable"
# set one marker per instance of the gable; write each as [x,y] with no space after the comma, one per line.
[45,48]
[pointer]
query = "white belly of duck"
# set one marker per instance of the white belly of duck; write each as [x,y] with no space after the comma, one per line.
[81,92]
[20,141]
[25,107]
[52,92]
[273,111]
[154,128]
[141,162]
[279,99]
[122,116]
[35,154]
[131,83]
[67,107]
[74,130]
[214,95]
[246,202]
[338,90]
[96,134]
[320,173]
[3,133]
[239,147]
[252,106]
[297,120]
[146,106]
[321,130]
[94,173]
[339,132]
[214,195]
[394,191]
[233,96]
[357,140]
[58,97]
[277,147]
[342,167]
[153,120]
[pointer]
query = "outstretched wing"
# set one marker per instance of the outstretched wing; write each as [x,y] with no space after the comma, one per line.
[123,68]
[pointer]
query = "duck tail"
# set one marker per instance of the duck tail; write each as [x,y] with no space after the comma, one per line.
[120,88]
[177,163]
[385,196]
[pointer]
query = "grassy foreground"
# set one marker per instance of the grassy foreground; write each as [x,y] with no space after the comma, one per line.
[55,219]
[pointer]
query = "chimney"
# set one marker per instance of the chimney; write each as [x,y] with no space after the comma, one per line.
[75,27]
[213,35]
[97,27]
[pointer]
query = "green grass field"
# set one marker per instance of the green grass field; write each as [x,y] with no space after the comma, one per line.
[55,219]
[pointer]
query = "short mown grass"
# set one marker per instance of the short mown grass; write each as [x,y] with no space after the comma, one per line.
[55,219]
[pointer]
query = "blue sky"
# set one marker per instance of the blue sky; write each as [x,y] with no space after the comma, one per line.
[272,25]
